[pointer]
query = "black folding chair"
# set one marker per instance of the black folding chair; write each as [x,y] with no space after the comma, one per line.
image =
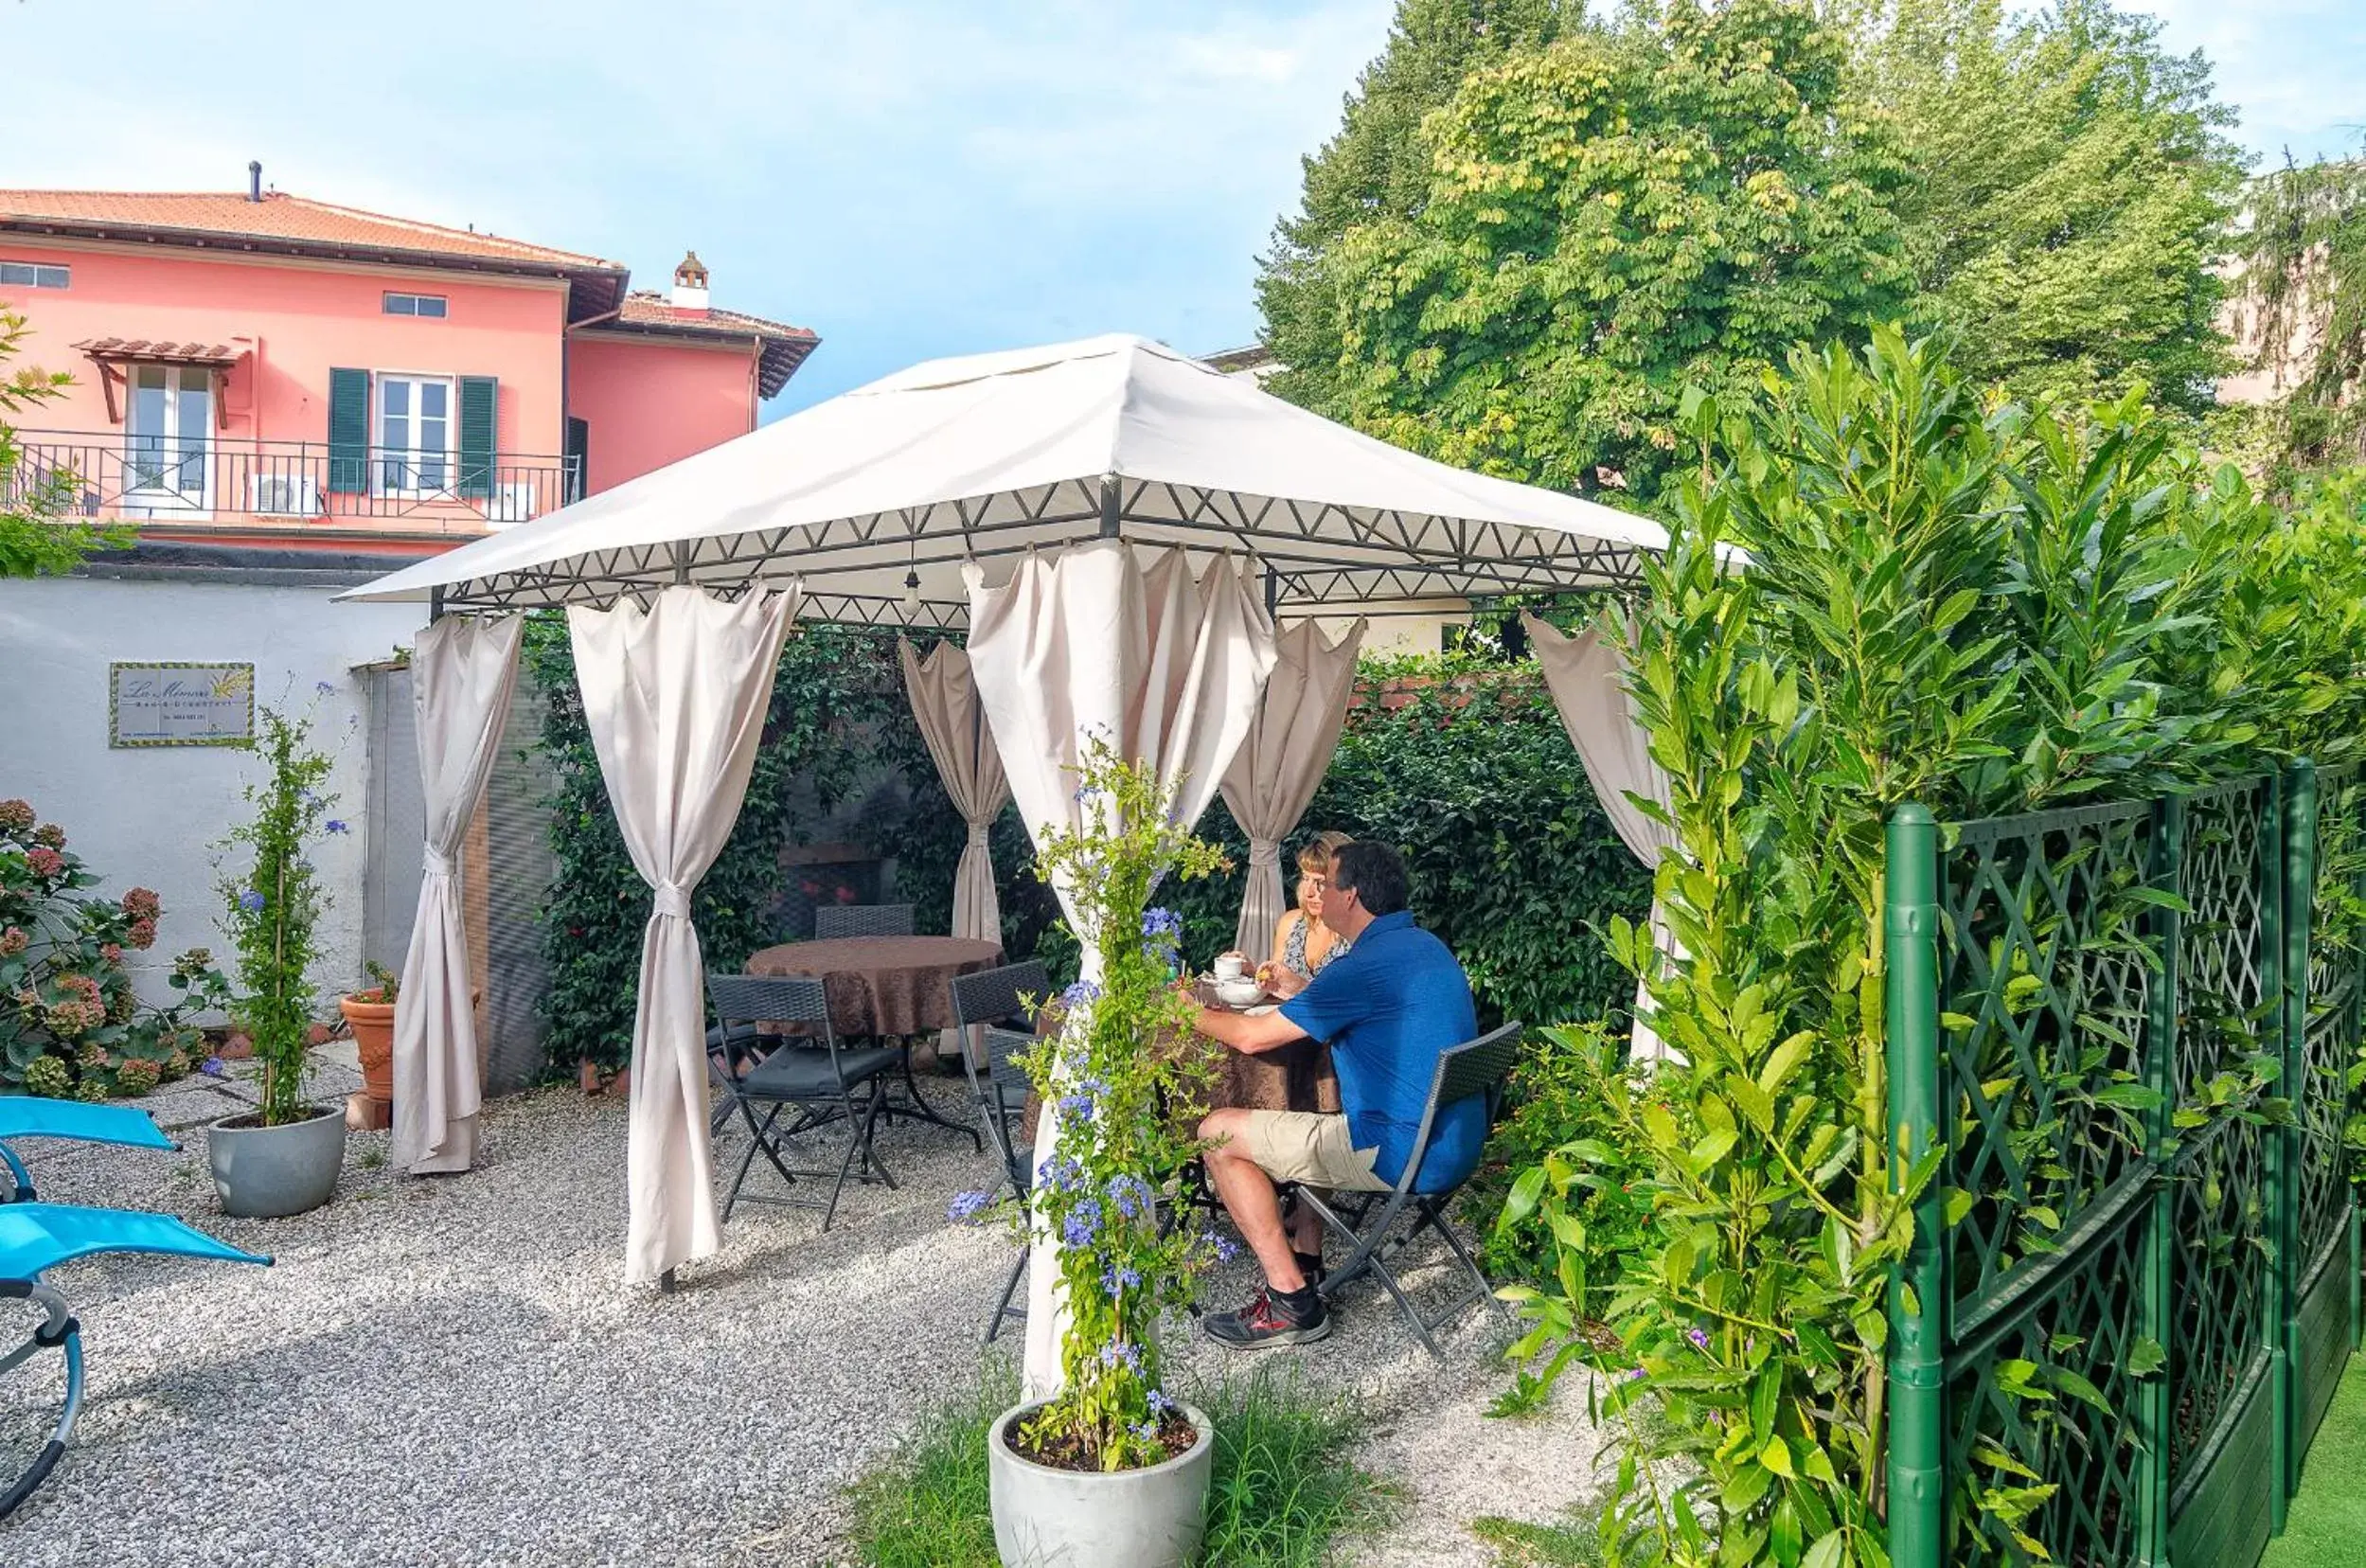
[820,1080]
[835,920]
[993,1010]
[1477,1068]
[727,1049]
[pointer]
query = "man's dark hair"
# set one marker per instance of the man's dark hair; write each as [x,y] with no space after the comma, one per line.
[1374,871]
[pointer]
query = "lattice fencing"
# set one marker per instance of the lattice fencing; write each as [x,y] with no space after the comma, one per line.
[2135,1282]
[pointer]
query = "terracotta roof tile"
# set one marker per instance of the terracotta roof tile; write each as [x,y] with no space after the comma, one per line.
[648,307]
[784,347]
[278,216]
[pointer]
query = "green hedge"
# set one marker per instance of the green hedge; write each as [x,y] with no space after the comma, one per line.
[1513,863]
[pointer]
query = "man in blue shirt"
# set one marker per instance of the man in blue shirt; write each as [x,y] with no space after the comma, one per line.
[1388,1008]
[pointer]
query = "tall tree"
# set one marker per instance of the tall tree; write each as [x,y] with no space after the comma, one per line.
[2071,185]
[2304,272]
[1379,166]
[1608,219]
[36,538]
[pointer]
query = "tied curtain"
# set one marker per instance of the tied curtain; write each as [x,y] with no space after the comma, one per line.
[675,698]
[952,722]
[1588,679]
[1169,669]
[1279,766]
[462,672]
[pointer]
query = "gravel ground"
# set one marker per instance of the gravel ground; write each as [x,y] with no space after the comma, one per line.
[451,1371]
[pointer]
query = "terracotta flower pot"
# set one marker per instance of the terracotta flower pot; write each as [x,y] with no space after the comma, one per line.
[372,1023]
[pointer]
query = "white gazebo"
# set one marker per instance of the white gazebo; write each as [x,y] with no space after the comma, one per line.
[1115,527]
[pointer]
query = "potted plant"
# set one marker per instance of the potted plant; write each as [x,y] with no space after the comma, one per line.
[1111,1469]
[283,1159]
[370,1014]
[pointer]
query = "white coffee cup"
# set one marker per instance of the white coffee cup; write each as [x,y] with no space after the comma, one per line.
[1238,992]
[1231,966]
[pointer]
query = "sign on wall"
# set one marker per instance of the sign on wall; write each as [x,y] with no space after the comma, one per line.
[169,704]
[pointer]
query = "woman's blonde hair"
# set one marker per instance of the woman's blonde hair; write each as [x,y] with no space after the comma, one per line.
[1315,858]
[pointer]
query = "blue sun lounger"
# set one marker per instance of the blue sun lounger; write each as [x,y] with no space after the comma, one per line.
[30,1116]
[36,1237]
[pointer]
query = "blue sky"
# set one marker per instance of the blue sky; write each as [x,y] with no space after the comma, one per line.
[908,177]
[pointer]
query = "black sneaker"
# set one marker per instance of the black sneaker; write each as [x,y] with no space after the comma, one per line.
[1267,1322]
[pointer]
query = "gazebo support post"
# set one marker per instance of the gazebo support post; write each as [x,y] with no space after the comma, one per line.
[1113,505]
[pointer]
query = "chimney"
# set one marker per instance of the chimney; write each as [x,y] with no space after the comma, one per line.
[254,181]
[691,284]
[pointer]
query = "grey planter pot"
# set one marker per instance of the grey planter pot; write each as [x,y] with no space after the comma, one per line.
[1046,1518]
[270,1172]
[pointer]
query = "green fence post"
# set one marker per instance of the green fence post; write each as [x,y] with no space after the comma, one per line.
[2160,1302]
[1917,1306]
[2299,895]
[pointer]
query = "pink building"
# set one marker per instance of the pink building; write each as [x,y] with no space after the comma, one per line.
[264,369]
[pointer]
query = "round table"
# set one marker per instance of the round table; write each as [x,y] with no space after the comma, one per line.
[1296,1076]
[882,985]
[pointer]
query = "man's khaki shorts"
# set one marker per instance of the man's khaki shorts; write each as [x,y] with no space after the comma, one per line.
[1303,1146]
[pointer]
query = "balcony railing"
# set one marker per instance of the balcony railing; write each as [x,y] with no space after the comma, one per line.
[147,479]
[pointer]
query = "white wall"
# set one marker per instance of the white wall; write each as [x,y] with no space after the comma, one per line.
[153,818]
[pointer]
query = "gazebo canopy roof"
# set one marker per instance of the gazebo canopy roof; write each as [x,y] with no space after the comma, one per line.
[985,456]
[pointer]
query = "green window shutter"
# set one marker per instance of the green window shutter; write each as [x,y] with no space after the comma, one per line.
[480,403]
[348,431]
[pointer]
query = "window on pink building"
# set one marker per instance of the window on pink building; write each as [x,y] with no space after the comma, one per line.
[415,305]
[34,274]
[414,431]
[166,423]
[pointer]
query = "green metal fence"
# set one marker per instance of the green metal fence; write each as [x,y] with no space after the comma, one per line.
[2135,1280]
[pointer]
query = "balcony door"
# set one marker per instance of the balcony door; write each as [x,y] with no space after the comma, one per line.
[415,455]
[167,432]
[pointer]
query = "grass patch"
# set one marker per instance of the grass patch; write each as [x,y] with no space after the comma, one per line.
[2327,1527]
[926,1506]
[1520,1544]
[1284,1493]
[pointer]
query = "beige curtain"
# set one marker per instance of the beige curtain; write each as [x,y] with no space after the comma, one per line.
[1089,641]
[1277,769]
[945,702]
[1588,679]
[462,671]
[675,698]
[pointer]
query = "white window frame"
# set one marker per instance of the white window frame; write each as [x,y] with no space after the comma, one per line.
[442,302]
[184,454]
[391,464]
[37,275]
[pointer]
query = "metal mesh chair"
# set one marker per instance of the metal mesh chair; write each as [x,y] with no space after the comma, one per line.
[992,1008]
[834,920]
[820,1082]
[1479,1067]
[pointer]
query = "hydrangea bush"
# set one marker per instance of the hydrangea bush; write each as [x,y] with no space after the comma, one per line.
[71,1023]
[1123,1094]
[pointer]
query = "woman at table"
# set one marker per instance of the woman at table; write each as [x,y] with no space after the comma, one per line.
[1301,943]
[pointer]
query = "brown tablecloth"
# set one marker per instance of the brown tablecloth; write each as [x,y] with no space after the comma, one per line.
[884,985]
[1298,1077]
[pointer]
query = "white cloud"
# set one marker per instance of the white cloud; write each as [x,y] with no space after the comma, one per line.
[910,179]
[2291,68]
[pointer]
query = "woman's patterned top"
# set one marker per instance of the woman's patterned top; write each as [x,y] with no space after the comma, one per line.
[1294,950]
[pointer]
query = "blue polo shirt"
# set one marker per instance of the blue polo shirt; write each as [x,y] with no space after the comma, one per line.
[1389,1007]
